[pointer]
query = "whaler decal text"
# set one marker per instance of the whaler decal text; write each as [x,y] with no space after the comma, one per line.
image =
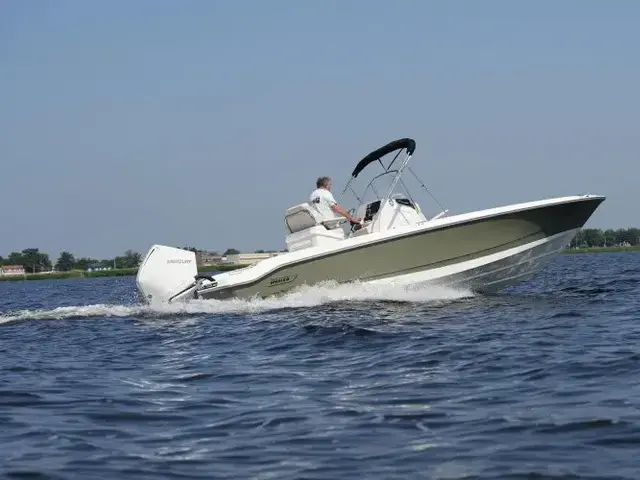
[281,280]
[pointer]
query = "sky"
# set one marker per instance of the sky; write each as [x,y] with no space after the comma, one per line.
[124,124]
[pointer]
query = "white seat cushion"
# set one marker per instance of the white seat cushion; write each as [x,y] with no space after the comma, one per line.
[304,215]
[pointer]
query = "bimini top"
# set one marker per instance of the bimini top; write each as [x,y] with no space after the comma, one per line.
[399,144]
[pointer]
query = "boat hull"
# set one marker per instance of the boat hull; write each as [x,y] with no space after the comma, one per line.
[484,254]
[494,272]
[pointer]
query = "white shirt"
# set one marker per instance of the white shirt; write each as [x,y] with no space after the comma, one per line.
[322,199]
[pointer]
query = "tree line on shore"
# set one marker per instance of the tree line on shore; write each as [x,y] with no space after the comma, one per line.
[596,237]
[35,261]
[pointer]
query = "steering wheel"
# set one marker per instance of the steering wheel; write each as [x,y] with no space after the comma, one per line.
[396,195]
[354,226]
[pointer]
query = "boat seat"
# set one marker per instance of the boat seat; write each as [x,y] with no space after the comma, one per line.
[303,216]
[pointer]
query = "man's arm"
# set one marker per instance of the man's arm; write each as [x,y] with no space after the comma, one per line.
[338,209]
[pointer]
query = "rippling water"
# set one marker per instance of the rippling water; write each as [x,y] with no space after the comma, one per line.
[542,381]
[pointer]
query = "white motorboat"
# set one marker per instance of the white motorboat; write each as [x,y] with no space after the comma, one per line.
[484,250]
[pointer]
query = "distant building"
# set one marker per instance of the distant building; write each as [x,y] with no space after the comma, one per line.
[207,258]
[96,268]
[12,270]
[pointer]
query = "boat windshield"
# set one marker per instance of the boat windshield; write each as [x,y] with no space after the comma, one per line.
[377,187]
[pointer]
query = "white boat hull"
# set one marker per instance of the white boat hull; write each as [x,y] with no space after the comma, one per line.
[492,272]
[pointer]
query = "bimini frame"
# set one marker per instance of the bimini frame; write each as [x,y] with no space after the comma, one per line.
[399,145]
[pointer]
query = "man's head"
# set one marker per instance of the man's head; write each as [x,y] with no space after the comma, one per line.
[324,182]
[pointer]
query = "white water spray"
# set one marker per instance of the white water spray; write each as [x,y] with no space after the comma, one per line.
[305,297]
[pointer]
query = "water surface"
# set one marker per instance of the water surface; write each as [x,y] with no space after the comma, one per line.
[542,381]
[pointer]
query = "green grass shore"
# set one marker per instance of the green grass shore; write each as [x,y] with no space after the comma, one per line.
[120,272]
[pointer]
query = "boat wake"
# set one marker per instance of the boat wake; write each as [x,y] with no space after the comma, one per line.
[305,297]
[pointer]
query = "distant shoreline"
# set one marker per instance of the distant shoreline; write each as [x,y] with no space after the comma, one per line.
[116,272]
[632,248]
[124,272]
